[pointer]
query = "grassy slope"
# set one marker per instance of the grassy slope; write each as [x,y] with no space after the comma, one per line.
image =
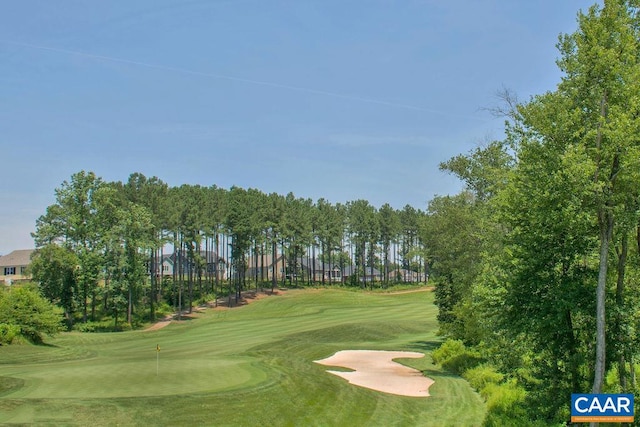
[246,366]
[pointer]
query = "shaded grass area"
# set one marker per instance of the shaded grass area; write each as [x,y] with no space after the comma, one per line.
[251,365]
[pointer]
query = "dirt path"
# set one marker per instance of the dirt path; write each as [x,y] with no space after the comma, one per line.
[160,323]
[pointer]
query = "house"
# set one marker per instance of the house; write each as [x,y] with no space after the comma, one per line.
[13,266]
[316,269]
[370,274]
[261,266]
[212,264]
[404,275]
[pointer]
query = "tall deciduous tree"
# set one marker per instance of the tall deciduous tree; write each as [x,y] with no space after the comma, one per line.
[55,269]
[597,128]
[71,222]
[454,240]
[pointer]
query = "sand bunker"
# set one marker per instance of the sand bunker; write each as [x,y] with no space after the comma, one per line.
[377,370]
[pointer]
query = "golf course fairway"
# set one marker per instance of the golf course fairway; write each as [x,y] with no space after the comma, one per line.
[246,366]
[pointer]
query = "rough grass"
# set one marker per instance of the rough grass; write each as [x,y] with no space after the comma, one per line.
[251,366]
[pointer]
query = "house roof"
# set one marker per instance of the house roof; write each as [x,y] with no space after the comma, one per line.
[206,255]
[405,272]
[350,270]
[16,258]
[319,265]
[253,260]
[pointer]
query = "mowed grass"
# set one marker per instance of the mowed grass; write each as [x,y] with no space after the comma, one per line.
[248,366]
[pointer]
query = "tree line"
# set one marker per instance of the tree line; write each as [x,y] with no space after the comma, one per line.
[101,245]
[537,262]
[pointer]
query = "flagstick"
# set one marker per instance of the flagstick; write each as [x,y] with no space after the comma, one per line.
[157,360]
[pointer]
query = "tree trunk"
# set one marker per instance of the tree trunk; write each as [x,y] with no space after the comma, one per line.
[605,220]
[153,275]
[284,264]
[274,261]
[324,249]
[129,304]
[191,279]
[606,229]
[85,296]
[94,303]
[622,262]
[217,269]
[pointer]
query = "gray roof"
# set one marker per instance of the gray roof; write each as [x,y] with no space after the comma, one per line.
[206,255]
[319,265]
[351,270]
[17,258]
[266,260]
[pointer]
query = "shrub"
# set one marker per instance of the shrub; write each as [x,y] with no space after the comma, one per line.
[207,298]
[162,309]
[455,357]
[104,325]
[8,333]
[503,397]
[505,405]
[447,350]
[26,309]
[481,376]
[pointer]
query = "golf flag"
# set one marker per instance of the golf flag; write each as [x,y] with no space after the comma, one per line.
[157,359]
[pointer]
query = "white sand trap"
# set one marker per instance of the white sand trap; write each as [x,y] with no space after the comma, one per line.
[377,370]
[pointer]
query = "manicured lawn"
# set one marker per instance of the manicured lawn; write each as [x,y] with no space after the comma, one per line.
[248,366]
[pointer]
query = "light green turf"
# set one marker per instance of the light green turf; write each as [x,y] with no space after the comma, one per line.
[250,366]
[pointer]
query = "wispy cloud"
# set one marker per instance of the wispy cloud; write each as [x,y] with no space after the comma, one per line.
[221,76]
[185,130]
[361,140]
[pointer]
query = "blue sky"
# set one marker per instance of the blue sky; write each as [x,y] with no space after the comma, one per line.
[343,100]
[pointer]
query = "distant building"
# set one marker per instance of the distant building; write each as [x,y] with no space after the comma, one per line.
[264,266]
[407,276]
[13,266]
[179,262]
[370,274]
[318,270]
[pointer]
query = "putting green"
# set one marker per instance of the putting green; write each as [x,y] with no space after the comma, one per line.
[101,378]
[251,365]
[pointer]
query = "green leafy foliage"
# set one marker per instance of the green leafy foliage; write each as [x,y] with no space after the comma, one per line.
[505,405]
[30,313]
[56,269]
[549,293]
[454,356]
[8,332]
[481,376]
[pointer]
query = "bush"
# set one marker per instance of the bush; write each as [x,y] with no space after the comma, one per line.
[481,376]
[25,308]
[447,350]
[503,397]
[8,333]
[92,326]
[105,325]
[162,309]
[505,405]
[455,357]
[207,298]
